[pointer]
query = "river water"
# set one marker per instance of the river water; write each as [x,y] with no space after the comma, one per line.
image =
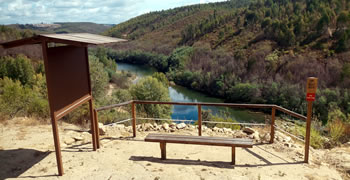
[182,94]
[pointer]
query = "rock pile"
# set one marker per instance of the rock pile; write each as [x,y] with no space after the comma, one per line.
[246,132]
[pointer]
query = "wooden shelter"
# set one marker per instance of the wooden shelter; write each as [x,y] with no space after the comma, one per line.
[67,77]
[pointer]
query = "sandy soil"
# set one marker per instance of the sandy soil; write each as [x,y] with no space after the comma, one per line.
[26,151]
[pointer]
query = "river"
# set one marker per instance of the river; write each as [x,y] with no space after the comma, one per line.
[182,94]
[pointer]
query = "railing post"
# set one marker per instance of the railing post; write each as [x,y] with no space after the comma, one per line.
[133,119]
[272,133]
[199,120]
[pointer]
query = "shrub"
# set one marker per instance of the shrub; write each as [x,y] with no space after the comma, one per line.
[316,140]
[19,100]
[151,89]
[223,116]
[243,92]
[336,130]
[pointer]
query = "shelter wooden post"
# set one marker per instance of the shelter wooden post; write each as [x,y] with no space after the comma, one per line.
[272,132]
[133,119]
[93,126]
[97,131]
[56,137]
[199,120]
[311,88]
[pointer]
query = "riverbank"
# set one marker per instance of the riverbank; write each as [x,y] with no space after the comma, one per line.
[183,94]
[27,152]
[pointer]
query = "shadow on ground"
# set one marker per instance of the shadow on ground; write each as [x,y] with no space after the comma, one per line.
[14,162]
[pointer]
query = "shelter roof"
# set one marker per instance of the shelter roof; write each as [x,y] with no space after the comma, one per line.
[77,39]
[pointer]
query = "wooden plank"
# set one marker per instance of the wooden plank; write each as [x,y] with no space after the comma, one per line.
[84,37]
[200,140]
[195,137]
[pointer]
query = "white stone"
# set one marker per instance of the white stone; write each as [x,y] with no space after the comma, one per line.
[165,126]
[120,126]
[287,139]
[248,130]
[181,126]
[147,127]
[68,141]
[102,129]
[78,138]
[256,136]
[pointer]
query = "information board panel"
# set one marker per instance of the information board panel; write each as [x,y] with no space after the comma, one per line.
[68,69]
[311,88]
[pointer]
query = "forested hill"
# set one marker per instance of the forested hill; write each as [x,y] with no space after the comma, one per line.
[248,51]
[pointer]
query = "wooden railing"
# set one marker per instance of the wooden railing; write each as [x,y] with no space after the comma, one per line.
[199,105]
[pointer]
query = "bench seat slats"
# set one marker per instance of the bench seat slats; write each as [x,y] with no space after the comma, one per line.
[200,140]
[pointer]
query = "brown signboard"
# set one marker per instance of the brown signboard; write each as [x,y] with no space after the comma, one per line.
[311,88]
[68,68]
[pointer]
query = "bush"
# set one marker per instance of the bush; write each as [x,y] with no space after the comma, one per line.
[151,89]
[336,131]
[19,100]
[223,116]
[316,140]
[243,92]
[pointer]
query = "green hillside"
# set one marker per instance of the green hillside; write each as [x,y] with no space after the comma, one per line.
[248,51]
[66,27]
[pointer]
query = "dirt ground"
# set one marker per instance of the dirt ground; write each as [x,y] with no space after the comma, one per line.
[27,151]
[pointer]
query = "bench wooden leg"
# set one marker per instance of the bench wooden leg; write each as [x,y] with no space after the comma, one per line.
[163,150]
[233,155]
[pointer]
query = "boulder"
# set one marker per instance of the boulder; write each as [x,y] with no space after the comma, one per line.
[165,126]
[208,130]
[256,136]
[155,125]
[227,130]
[248,130]
[128,129]
[287,139]
[147,127]
[78,138]
[119,126]
[68,140]
[239,134]
[216,129]
[102,129]
[181,126]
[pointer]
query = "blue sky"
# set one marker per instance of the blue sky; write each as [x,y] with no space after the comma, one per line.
[98,11]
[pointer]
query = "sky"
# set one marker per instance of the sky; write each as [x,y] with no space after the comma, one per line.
[98,11]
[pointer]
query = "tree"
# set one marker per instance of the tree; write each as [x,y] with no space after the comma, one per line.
[151,89]
[99,77]
[161,78]
[19,68]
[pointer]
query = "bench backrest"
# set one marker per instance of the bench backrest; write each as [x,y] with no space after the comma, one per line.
[202,140]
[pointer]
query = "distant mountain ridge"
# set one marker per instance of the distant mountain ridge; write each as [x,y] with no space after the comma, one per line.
[64,27]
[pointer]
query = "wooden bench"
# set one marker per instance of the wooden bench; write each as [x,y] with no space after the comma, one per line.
[198,140]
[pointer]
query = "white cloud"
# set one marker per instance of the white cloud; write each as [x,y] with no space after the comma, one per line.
[98,11]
